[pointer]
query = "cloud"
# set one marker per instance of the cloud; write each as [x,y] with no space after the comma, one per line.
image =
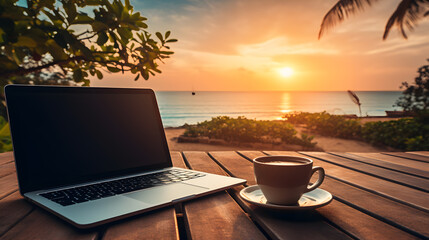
[238,44]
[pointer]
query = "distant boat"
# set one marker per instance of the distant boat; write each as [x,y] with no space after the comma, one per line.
[193,93]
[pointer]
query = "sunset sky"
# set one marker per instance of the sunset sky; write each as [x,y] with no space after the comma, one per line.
[251,45]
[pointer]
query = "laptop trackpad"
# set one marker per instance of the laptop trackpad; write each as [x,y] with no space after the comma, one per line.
[167,193]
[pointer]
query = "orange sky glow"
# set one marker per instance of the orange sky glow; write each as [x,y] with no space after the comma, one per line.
[240,45]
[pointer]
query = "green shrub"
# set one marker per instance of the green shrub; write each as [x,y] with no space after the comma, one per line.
[5,139]
[242,129]
[326,124]
[406,134]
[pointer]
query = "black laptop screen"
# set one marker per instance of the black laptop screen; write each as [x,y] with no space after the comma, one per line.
[68,135]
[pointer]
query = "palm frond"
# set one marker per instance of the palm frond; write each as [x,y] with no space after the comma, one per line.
[341,10]
[354,97]
[407,14]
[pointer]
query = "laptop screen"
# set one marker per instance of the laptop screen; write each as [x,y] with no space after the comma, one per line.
[69,135]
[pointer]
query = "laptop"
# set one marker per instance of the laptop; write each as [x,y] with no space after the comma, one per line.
[94,155]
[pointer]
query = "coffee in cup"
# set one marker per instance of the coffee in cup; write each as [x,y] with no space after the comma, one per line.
[283,179]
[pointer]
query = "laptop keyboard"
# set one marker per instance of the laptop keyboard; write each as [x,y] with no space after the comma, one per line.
[106,189]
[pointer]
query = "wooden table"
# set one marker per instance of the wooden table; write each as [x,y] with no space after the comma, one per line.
[376,196]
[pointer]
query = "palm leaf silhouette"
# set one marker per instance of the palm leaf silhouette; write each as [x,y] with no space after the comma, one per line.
[340,11]
[355,99]
[407,14]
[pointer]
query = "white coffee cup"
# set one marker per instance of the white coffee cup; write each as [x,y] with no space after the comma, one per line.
[283,179]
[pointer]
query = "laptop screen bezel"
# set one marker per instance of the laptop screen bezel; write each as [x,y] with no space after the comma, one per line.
[11,91]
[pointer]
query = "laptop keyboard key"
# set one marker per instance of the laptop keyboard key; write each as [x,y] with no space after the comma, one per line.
[107,189]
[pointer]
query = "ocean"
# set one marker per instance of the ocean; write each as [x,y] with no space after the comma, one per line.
[178,108]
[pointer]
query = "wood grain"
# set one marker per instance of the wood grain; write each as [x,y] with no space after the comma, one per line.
[388,189]
[359,224]
[7,169]
[278,224]
[6,157]
[396,160]
[216,216]
[400,215]
[408,156]
[159,224]
[351,220]
[41,225]
[9,184]
[386,174]
[420,153]
[384,164]
[13,208]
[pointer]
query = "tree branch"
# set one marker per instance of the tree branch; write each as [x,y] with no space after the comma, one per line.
[24,71]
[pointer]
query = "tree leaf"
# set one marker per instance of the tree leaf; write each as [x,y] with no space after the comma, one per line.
[98,26]
[102,38]
[77,75]
[56,51]
[70,8]
[141,24]
[113,69]
[25,41]
[159,35]
[99,74]
[83,19]
[60,39]
[167,34]
[125,33]
[137,78]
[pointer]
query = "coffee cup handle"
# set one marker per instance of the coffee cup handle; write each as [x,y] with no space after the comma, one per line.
[319,180]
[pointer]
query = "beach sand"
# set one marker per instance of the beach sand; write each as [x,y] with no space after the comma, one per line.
[328,144]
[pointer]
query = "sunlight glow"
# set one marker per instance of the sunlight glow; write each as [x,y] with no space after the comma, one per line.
[286,72]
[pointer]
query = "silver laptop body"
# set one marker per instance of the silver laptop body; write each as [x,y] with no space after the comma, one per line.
[95,155]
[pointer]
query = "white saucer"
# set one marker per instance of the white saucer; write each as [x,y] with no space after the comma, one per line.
[310,200]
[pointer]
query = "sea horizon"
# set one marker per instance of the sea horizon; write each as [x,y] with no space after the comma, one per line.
[181,107]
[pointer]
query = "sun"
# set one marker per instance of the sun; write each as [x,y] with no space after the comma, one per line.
[286,72]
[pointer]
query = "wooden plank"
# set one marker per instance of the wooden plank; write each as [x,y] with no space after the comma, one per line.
[397,192]
[9,184]
[42,225]
[408,156]
[358,223]
[216,216]
[177,160]
[159,224]
[13,208]
[386,174]
[421,153]
[384,164]
[405,217]
[396,160]
[6,157]
[278,224]
[7,169]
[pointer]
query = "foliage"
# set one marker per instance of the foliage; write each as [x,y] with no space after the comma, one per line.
[407,13]
[416,96]
[63,35]
[326,124]
[242,129]
[5,139]
[406,133]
